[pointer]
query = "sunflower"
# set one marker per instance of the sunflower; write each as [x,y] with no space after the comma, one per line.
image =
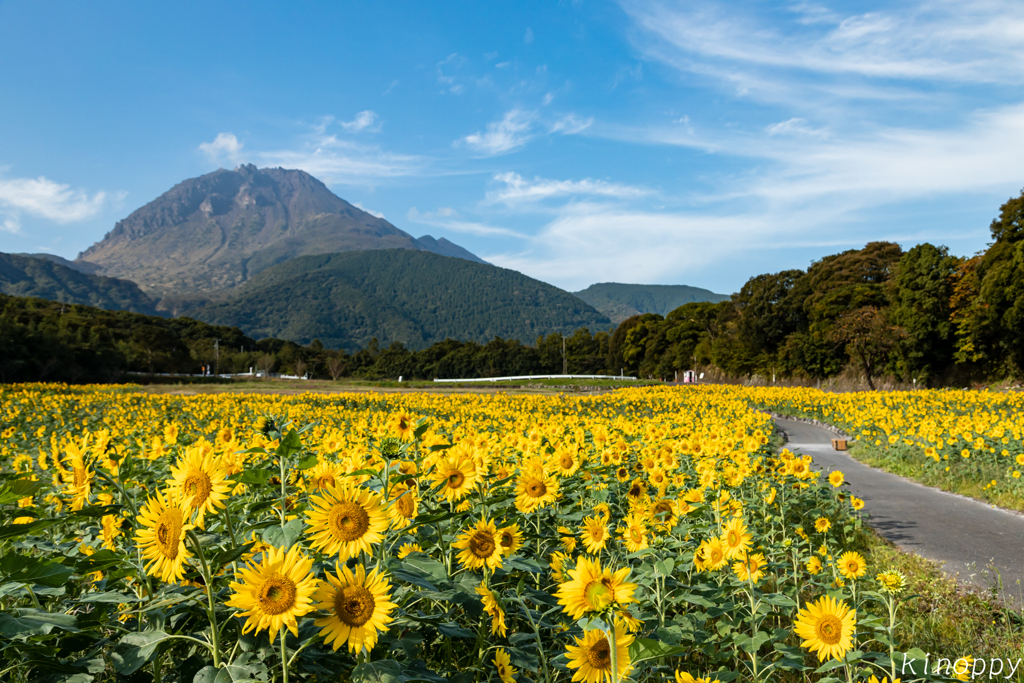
[893,581]
[199,480]
[826,627]
[683,677]
[592,655]
[78,479]
[510,538]
[456,476]
[736,539]
[594,533]
[534,491]
[852,565]
[111,527]
[492,607]
[407,549]
[479,546]
[622,473]
[275,592]
[557,565]
[502,662]
[814,566]
[404,506]
[712,554]
[836,479]
[325,475]
[346,520]
[602,510]
[634,533]
[664,513]
[358,606]
[885,679]
[637,490]
[162,536]
[749,567]
[566,462]
[856,503]
[591,589]
[822,524]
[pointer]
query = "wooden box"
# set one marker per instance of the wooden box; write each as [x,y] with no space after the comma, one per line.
[839,444]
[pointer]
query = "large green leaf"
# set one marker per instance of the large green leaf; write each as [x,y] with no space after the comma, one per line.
[646,648]
[383,671]
[14,530]
[135,649]
[284,537]
[33,622]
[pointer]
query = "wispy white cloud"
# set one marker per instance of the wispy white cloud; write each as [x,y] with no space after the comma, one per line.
[11,224]
[571,124]
[47,199]
[942,40]
[509,134]
[449,219]
[225,146]
[364,121]
[336,161]
[517,189]
[795,126]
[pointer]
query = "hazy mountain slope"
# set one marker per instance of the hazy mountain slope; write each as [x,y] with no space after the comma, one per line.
[80,266]
[47,279]
[218,230]
[620,301]
[413,297]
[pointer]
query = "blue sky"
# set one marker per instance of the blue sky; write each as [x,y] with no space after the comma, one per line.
[652,142]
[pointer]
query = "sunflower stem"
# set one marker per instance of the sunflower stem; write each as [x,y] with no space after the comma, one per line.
[614,673]
[284,657]
[211,612]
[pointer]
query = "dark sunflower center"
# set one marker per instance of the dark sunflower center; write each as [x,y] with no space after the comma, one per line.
[354,605]
[481,544]
[599,655]
[197,485]
[536,489]
[506,539]
[168,533]
[598,595]
[733,539]
[830,629]
[80,477]
[455,479]
[325,481]
[348,521]
[276,594]
[567,462]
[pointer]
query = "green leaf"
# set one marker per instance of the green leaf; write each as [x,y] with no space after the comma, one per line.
[13,530]
[751,644]
[284,537]
[453,630]
[44,573]
[383,671]
[16,489]
[829,666]
[97,511]
[135,649]
[307,462]
[290,444]
[697,600]
[646,648]
[258,477]
[100,561]
[230,555]
[32,622]
[665,567]
[778,599]
[109,597]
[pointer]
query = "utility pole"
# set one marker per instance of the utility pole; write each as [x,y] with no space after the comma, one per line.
[216,356]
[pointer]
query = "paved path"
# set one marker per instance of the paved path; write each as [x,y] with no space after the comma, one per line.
[964,534]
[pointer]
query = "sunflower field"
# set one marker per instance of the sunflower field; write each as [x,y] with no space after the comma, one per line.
[641,535]
[966,441]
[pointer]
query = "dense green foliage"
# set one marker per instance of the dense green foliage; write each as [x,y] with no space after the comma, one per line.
[413,297]
[620,301]
[22,275]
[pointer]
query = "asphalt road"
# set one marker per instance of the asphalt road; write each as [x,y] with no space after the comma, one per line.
[965,535]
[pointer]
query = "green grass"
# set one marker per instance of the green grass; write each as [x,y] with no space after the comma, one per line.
[908,464]
[943,618]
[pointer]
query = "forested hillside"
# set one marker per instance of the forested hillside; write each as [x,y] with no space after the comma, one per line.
[413,297]
[620,301]
[47,278]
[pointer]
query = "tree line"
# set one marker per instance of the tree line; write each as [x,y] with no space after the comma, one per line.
[920,315]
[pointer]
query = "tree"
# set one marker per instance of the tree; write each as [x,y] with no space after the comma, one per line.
[868,337]
[920,293]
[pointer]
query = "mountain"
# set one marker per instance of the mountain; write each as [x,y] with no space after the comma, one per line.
[44,277]
[80,266]
[619,301]
[216,231]
[413,297]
